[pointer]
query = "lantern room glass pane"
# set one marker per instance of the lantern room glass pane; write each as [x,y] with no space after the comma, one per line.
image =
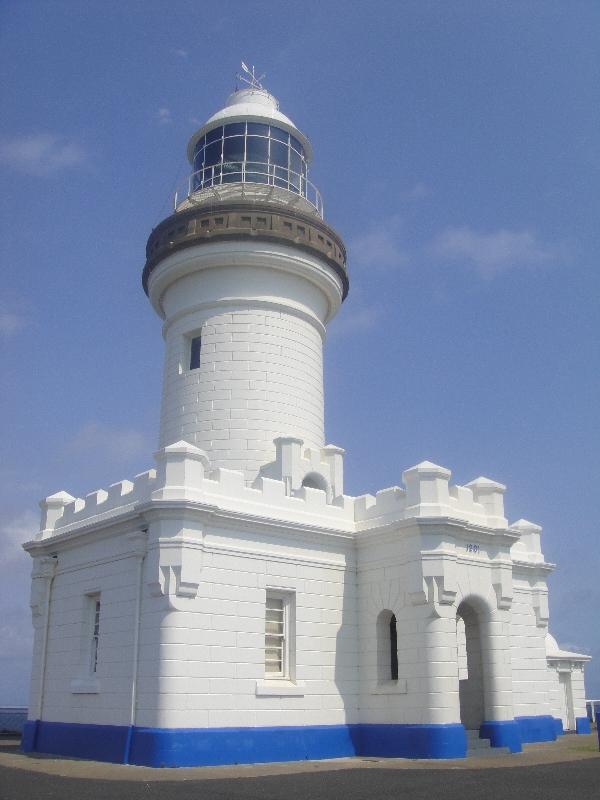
[232,172]
[212,153]
[257,149]
[280,135]
[235,129]
[216,133]
[258,129]
[279,154]
[233,149]
[199,145]
[256,173]
[295,162]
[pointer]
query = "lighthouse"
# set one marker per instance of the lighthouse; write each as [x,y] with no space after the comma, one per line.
[246,275]
[232,603]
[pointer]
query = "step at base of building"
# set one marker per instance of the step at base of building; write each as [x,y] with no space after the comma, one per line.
[481,748]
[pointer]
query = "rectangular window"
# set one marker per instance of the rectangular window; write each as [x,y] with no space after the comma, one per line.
[279,660]
[195,348]
[95,634]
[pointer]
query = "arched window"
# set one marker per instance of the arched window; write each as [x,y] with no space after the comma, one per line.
[314,481]
[387,647]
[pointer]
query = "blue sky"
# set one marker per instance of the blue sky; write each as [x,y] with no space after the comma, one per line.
[456,147]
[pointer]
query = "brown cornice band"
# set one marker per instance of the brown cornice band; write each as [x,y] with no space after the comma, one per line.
[240,221]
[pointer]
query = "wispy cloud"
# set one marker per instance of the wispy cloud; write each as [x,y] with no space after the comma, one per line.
[380,246]
[357,314]
[180,52]
[13,317]
[352,321]
[14,532]
[118,444]
[419,191]
[494,252]
[164,116]
[41,153]
[10,323]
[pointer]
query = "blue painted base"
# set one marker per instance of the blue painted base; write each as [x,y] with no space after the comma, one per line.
[186,747]
[97,742]
[412,741]
[558,727]
[502,733]
[582,725]
[182,747]
[537,729]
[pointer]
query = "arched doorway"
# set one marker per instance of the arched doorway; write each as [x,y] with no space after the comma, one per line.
[470,666]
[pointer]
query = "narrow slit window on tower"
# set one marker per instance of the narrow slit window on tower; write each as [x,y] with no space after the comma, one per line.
[195,348]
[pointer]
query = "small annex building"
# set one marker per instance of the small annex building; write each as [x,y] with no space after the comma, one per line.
[232,604]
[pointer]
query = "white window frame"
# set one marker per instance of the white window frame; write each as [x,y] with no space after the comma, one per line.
[95,611]
[87,682]
[285,599]
[284,683]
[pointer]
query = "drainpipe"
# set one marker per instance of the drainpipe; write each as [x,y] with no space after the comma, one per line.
[138,540]
[46,571]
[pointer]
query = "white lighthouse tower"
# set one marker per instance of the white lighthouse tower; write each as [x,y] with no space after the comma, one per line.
[232,604]
[246,276]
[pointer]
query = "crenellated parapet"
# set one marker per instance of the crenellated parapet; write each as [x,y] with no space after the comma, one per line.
[184,475]
[302,485]
[427,493]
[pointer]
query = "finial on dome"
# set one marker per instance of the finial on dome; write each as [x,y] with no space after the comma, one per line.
[250,78]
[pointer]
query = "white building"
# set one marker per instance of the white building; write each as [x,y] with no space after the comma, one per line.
[232,604]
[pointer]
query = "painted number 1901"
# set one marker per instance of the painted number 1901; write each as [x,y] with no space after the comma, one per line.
[473,548]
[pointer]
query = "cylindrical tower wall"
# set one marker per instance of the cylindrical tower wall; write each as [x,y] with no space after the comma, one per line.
[259,310]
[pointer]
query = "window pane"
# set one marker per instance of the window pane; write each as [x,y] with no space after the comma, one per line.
[235,129]
[275,636]
[258,129]
[257,149]
[279,154]
[294,182]
[198,160]
[212,154]
[295,162]
[95,636]
[207,176]
[199,145]
[216,133]
[232,172]
[393,649]
[274,627]
[256,173]
[296,145]
[233,149]
[280,135]
[195,348]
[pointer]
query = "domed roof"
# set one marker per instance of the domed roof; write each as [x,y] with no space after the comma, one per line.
[254,105]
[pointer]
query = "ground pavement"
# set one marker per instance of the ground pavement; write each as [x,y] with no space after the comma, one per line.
[569,767]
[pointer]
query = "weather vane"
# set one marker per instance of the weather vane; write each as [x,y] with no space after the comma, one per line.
[250,77]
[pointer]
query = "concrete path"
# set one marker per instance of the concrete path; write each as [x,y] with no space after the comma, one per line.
[566,768]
